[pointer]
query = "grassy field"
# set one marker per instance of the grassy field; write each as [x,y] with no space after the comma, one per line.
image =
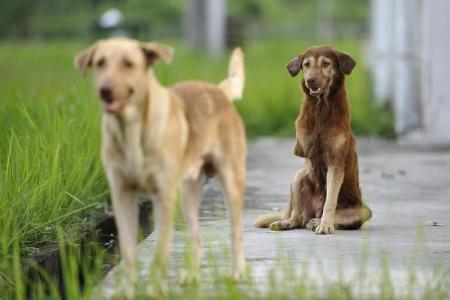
[50,172]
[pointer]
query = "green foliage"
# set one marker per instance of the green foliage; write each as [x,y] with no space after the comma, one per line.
[66,18]
[49,167]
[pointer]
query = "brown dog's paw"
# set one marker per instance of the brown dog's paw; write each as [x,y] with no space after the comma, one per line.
[277,226]
[313,223]
[325,229]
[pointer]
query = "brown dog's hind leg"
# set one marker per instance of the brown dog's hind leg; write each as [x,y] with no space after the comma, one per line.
[293,220]
[352,218]
[346,218]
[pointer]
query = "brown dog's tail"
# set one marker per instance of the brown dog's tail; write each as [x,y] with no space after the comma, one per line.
[233,86]
[264,221]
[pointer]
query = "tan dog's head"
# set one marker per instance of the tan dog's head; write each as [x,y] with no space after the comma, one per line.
[120,69]
[323,67]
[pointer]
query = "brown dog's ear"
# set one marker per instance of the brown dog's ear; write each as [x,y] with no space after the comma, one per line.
[154,51]
[84,59]
[346,62]
[295,65]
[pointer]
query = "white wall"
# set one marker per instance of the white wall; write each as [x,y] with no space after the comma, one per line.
[416,79]
[436,69]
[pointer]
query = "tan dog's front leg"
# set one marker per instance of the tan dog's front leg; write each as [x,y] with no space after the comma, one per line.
[126,215]
[163,216]
[335,177]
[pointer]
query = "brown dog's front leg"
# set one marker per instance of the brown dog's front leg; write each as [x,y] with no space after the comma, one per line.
[335,177]
[298,149]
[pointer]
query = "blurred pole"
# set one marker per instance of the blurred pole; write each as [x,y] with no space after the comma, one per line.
[407,30]
[382,38]
[216,26]
[195,24]
[206,25]
[435,70]
[325,19]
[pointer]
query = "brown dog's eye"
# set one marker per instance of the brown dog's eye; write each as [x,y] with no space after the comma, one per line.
[325,64]
[306,64]
[101,62]
[128,64]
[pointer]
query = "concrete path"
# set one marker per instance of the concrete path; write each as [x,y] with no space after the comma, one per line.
[407,188]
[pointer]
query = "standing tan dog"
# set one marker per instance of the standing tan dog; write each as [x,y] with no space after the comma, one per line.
[324,194]
[154,137]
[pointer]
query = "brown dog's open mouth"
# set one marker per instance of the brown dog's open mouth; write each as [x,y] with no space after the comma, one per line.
[317,90]
[314,91]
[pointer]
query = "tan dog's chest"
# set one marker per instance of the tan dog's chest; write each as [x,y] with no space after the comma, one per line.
[135,155]
[144,173]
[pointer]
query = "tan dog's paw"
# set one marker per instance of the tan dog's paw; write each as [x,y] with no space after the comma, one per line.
[325,228]
[239,270]
[189,278]
[157,290]
[237,276]
[313,223]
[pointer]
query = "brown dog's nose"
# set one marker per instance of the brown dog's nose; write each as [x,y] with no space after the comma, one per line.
[106,94]
[312,82]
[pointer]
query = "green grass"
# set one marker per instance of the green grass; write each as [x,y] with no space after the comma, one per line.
[286,277]
[50,171]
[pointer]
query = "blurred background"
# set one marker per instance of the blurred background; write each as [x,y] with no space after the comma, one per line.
[50,171]
[395,43]
[49,33]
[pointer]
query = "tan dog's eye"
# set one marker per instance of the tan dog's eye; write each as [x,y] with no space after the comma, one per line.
[101,62]
[325,64]
[128,64]
[306,64]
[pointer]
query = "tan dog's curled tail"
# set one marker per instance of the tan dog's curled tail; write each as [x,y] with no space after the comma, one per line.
[233,86]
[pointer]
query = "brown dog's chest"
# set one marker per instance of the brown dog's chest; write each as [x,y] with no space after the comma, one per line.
[312,142]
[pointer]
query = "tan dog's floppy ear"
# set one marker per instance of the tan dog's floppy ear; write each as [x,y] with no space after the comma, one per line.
[84,59]
[346,62]
[295,65]
[153,51]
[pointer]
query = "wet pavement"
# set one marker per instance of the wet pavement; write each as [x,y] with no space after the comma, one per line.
[407,188]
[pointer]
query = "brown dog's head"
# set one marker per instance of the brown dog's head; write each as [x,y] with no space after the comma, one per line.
[322,66]
[120,69]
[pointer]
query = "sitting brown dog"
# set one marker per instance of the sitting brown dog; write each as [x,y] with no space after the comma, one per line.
[325,194]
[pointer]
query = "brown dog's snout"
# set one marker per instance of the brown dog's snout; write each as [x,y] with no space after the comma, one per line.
[312,82]
[106,94]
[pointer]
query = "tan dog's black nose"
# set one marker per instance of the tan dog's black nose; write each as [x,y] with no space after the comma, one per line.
[106,94]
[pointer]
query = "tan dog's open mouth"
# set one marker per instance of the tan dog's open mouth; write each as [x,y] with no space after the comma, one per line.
[112,106]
